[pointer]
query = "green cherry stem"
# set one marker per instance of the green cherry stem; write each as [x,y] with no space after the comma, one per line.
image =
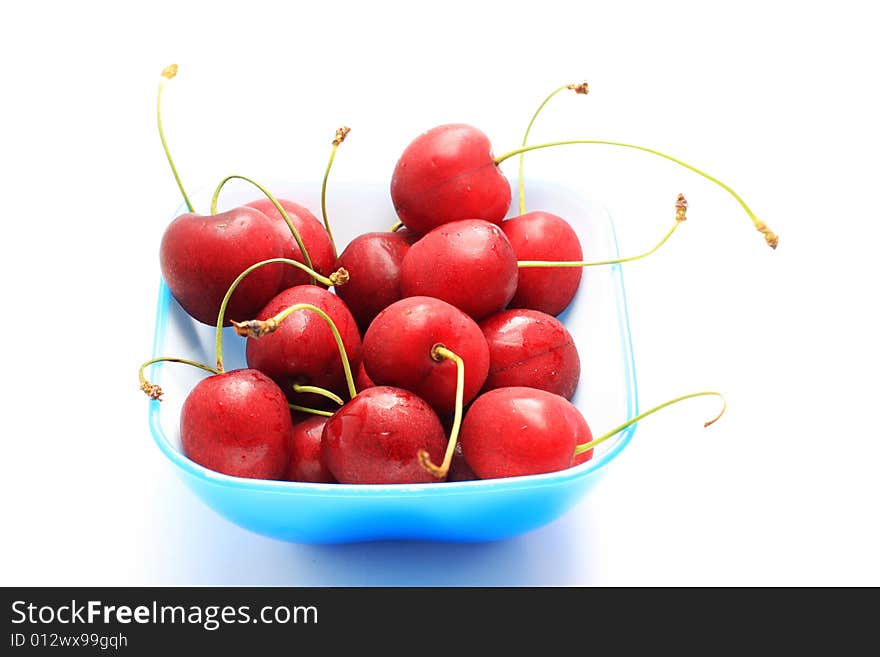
[257,328]
[770,237]
[438,353]
[581,88]
[319,391]
[680,216]
[281,210]
[338,277]
[341,133]
[168,73]
[306,409]
[396,226]
[580,449]
[152,390]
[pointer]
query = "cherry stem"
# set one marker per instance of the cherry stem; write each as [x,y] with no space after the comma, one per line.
[336,278]
[396,226]
[256,329]
[581,88]
[680,210]
[168,73]
[313,411]
[281,210]
[337,139]
[152,390]
[580,449]
[438,353]
[318,391]
[770,237]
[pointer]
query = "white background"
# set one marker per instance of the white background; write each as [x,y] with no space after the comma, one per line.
[777,99]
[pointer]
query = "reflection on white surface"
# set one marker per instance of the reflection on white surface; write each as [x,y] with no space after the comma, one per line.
[207,549]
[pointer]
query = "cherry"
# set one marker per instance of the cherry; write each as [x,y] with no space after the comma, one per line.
[515,431]
[468,263]
[302,349]
[373,261]
[237,423]
[306,459]
[315,238]
[399,344]
[201,255]
[375,438]
[544,236]
[446,174]
[528,348]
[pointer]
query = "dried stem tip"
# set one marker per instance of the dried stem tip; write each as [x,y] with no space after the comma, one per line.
[425,462]
[769,236]
[681,206]
[255,328]
[152,390]
[339,277]
[169,71]
[579,88]
[341,133]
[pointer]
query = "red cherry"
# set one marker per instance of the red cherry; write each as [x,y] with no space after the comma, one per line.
[237,423]
[306,460]
[544,236]
[201,255]
[468,263]
[312,233]
[302,350]
[375,438]
[445,174]
[373,263]
[398,345]
[530,349]
[510,432]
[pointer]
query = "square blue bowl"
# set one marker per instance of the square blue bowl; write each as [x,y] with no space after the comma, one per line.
[456,511]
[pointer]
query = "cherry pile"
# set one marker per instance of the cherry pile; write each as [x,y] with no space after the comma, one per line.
[437,356]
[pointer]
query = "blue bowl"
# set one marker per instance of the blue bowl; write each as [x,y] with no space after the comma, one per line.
[455,511]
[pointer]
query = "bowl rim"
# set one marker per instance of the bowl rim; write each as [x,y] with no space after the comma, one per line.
[557,478]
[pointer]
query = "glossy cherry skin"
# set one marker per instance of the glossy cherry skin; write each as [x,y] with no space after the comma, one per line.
[375,438]
[510,432]
[312,233]
[201,255]
[398,344]
[306,457]
[373,261]
[445,174]
[237,423]
[528,348]
[302,350]
[544,236]
[467,263]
